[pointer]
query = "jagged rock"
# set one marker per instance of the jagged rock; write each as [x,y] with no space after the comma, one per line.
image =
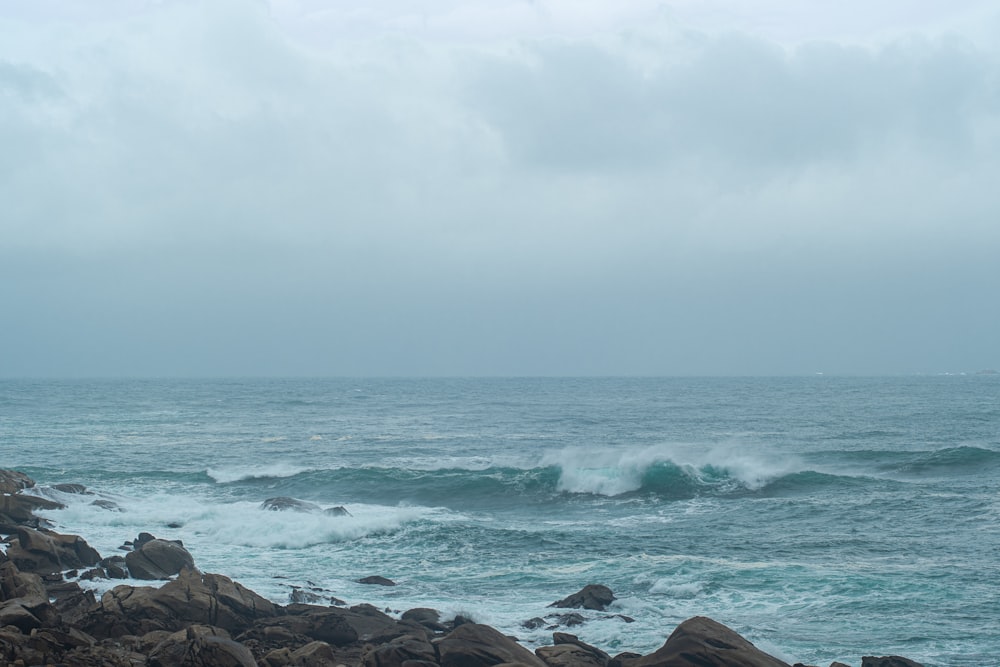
[78,489]
[313,654]
[568,655]
[377,581]
[400,650]
[301,596]
[12,481]
[19,510]
[888,661]
[475,645]
[158,559]
[339,510]
[114,567]
[105,504]
[285,504]
[428,618]
[17,584]
[703,642]
[47,552]
[192,598]
[200,646]
[534,623]
[592,596]
[567,620]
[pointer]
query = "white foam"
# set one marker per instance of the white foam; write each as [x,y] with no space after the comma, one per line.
[615,471]
[241,473]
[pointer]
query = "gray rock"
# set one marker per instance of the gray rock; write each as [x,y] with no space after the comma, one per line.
[377,581]
[339,510]
[158,559]
[888,661]
[12,481]
[286,504]
[475,645]
[702,642]
[592,596]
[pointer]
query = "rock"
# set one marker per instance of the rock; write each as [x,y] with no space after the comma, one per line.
[568,620]
[16,584]
[109,505]
[114,567]
[286,504]
[299,595]
[592,596]
[400,650]
[78,489]
[158,559]
[19,510]
[313,654]
[888,661]
[475,645]
[427,618]
[200,646]
[191,598]
[140,540]
[702,642]
[339,510]
[47,552]
[569,651]
[12,481]
[377,581]
[534,623]
[567,655]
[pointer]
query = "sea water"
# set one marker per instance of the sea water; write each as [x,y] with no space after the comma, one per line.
[824,518]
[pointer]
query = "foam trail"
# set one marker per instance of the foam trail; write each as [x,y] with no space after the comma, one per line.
[243,473]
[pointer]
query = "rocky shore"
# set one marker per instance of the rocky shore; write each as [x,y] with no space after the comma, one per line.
[208,620]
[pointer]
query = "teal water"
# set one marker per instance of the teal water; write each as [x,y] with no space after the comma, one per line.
[824,518]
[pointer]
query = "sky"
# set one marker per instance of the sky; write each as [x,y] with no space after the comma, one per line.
[498,187]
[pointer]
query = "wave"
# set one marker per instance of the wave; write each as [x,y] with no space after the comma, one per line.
[668,473]
[955,459]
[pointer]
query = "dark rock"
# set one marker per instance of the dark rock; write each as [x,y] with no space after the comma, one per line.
[568,620]
[158,559]
[624,658]
[78,489]
[200,646]
[109,505]
[286,504]
[301,596]
[702,642]
[377,581]
[402,649]
[339,510]
[12,481]
[888,661]
[191,598]
[140,540]
[47,552]
[427,618]
[569,651]
[114,567]
[592,596]
[534,623]
[475,645]
[313,654]
[19,510]
[175,524]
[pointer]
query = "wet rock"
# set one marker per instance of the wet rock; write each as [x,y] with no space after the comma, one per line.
[47,552]
[703,642]
[567,620]
[593,596]
[425,617]
[109,505]
[377,581]
[78,489]
[402,649]
[301,596]
[19,510]
[114,567]
[200,646]
[12,481]
[286,504]
[158,559]
[534,623]
[888,661]
[475,645]
[339,510]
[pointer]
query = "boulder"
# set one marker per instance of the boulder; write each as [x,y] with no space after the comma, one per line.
[158,559]
[339,510]
[19,510]
[400,650]
[48,552]
[702,642]
[568,655]
[476,645]
[286,504]
[78,489]
[12,481]
[200,646]
[377,581]
[592,596]
[191,598]
[888,661]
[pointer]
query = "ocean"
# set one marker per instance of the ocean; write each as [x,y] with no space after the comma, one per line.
[824,518]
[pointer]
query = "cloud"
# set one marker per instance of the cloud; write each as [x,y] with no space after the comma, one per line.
[192,190]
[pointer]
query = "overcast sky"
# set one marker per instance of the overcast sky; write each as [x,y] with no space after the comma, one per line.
[498,187]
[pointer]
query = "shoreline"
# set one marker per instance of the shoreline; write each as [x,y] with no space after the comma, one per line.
[185,616]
